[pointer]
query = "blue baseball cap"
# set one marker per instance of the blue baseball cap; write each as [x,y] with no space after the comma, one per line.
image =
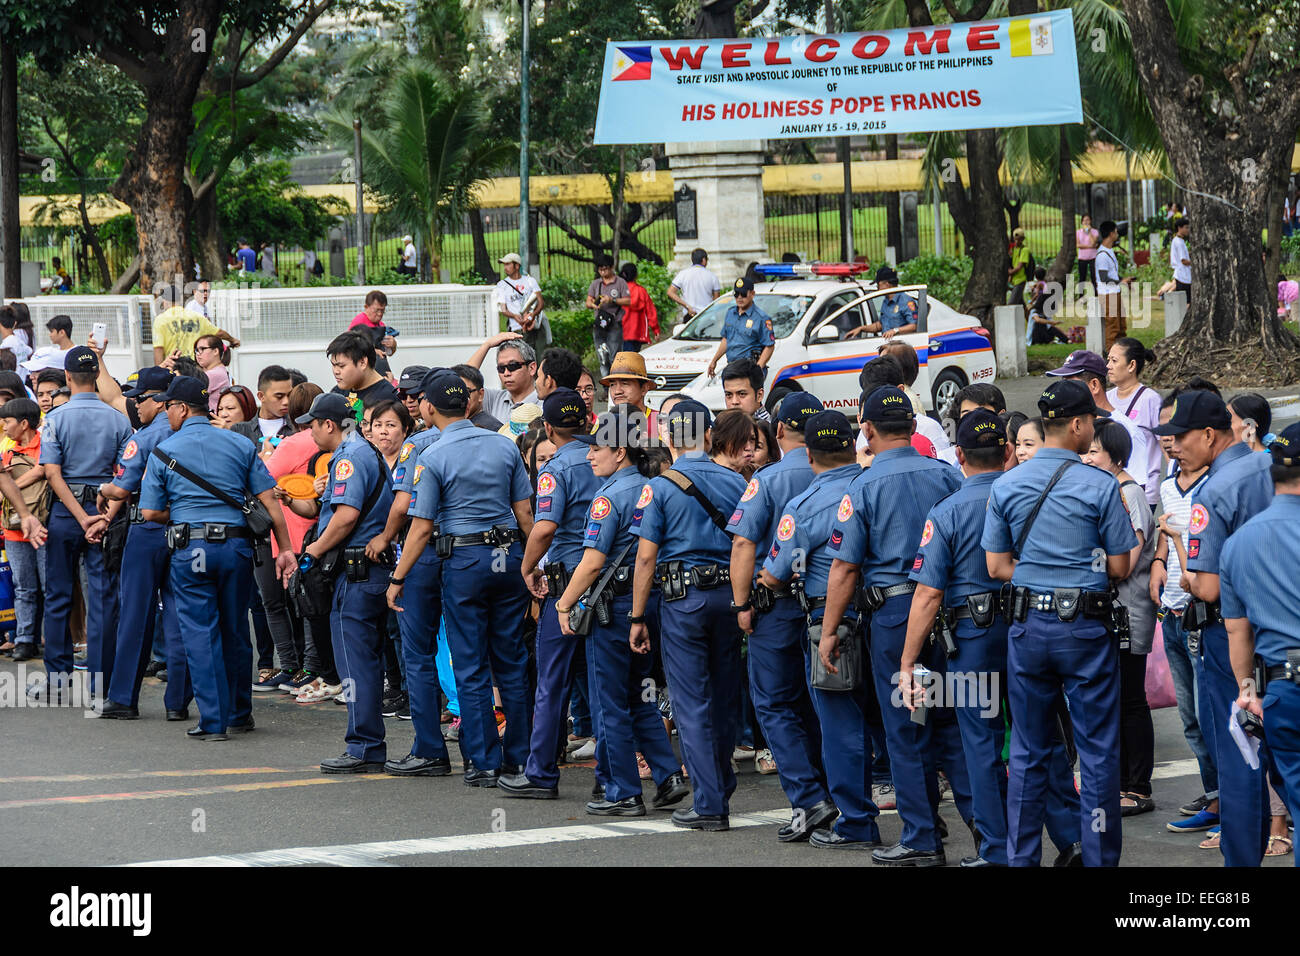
[797,408]
[331,407]
[445,390]
[828,431]
[623,426]
[887,404]
[981,428]
[191,391]
[688,421]
[1066,399]
[1285,446]
[1196,409]
[81,359]
[155,378]
[564,408]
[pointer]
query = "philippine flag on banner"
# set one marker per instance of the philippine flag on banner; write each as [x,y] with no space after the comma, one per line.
[632,63]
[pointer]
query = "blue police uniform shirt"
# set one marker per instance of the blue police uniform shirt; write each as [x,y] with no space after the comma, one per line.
[224,459]
[896,311]
[609,518]
[135,456]
[806,529]
[565,487]
[759,511]
[409,457]
[950,558]
[355,469]
[678,523]
[468,480]
[747,334]
[86,438]
[1257,577]
[1083,519]
[883,512]
[1237,487]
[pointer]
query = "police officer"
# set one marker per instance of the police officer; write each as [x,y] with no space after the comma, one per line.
[898,313]
[680,519]
[1261,609]
[627,720]
[952,579]
[211,575]
[879,521]
[774,621]
[418,622]
[1050,523]
[357,499]
[145,565]
[746,330]
[1236,488]
[801,544]
[81,443]
[472,484]
[565,488]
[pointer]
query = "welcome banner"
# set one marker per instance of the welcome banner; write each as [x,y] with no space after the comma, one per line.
[1014,72]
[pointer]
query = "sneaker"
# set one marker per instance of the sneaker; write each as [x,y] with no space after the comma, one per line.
[742,753]
[882,795]
[300,680]
[1197,822]
[453,730]
[1196,806]
[574,743]
[586,752]
[317,691]
[79,663]
[404,712]
[269,680]
[395,704]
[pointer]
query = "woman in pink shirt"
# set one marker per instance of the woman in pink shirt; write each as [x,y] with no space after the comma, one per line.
[213,356]
[1087,239]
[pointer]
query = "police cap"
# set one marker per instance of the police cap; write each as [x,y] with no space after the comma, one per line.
[981,428]
[688,421]
[828,431]
[564,408]
[155,378]
[446,391]
[1285,447]
[1065,399]
[743,285]
[623,426]
[797,408]
[887,404]
[81,359]
[191,391]
[1196,409]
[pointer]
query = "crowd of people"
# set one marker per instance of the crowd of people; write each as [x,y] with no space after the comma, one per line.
[543,573]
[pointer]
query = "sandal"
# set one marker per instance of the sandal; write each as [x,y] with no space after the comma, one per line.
[764,763]
[1211,842]
[1283,851]
[317,691]
[1136,804]
[264,673]
[643,768]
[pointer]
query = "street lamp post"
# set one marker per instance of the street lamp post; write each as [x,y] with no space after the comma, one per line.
[361,206]
[523,144]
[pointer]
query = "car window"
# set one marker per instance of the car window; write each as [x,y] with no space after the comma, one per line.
[785,311]
[877,302]
[846,321]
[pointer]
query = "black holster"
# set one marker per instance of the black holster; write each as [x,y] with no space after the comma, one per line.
[763,599]
[443,544]
[944,624]
[114,544]
[178,536]
[983,608]
[671,576]
[356,565]
[869,599]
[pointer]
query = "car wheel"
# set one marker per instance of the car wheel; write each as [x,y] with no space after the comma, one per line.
[946,386]
[773,403]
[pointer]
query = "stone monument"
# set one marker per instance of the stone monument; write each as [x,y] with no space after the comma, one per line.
[718,199]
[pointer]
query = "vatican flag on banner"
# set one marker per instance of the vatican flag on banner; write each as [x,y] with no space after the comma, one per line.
[1031,37]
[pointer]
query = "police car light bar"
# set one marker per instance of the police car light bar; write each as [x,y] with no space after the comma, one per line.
[812,268]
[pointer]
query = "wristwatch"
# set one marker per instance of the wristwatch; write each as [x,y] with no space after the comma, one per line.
[635,618]
[394,579]
[737,608]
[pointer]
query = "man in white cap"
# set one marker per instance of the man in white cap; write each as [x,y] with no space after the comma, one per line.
[512,292]
[408,256]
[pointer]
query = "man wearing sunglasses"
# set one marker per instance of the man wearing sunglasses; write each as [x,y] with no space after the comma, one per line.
[517,369]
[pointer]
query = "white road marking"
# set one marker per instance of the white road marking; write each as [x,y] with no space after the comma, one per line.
[370,854]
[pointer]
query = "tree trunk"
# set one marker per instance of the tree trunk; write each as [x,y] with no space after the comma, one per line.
[483,264]
[91,234]
[1231,332]
[10,230]
[1060,266]
[893,208]
[1276,200]
[207,228]
[987,235]
[123,283]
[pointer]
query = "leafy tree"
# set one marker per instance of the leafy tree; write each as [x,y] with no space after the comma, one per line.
[263,204]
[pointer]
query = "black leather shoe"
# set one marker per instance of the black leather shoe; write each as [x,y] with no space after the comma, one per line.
[413,766]
[632,806]
[246,727]
[112,710]
[688,819]
[1073,856]
[969,861]
[346,763]
[518,785]
[900,855]
[474,777]
[804,822]
[182,714]
[669,792]
[153,667]
[198,733]
[26,651]
[828,839]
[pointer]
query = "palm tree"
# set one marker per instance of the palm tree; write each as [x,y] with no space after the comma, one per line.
[429,154]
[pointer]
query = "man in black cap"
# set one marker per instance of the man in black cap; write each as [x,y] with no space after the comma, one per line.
[746,331]
[1059,532]
[565,488]
[409,386]
[1237,488]
[81,444]
[898,312]
[880,520]
[952,579]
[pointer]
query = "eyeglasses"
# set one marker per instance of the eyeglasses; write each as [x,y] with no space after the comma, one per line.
[234,390]
[168,406]
[61,391]
[206,348]
[587,390]
[510,367]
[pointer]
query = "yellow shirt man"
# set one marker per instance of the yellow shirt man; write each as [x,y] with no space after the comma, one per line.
[178,329]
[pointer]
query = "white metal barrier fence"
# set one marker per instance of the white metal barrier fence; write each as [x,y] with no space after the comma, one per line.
[438,325]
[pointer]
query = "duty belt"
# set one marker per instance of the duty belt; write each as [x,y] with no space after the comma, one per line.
[83,493]
[134,515]
[873,598]
[621,583]
[1288,671]
[557,578]
[217,532]
[492,539]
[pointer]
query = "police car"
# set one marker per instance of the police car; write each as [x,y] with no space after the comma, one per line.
[813,308]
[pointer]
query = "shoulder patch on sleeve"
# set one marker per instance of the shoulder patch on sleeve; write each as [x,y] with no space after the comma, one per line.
[130,450]
[647,495]
[750,490]
[1199,519]
[406,451]
[343,470]
[785,530]
[419,470]
[600,508]
[546,483]
[927,534]
[846,508]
